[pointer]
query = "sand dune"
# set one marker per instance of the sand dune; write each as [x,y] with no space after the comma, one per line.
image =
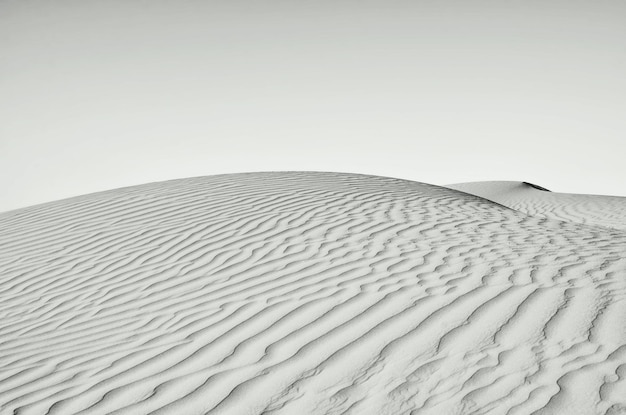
[609,211]
[310,293]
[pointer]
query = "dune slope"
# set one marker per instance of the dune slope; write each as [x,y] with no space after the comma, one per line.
[307,293]
[608,211]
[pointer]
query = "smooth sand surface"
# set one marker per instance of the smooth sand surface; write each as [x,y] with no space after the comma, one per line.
[309,293]
[609,211]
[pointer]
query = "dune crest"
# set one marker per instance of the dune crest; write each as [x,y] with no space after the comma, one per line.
[311,293]
[596,210]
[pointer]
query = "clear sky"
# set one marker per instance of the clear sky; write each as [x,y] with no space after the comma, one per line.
[96,95]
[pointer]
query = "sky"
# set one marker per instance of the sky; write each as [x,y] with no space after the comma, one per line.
[96,95]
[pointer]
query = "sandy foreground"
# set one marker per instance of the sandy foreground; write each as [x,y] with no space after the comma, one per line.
[314,293]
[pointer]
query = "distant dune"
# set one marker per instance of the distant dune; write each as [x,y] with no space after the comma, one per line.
[314,293]
[609,211]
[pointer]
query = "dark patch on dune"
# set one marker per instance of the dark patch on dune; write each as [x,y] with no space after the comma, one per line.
[537,187]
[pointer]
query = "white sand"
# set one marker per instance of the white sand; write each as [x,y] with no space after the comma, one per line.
[609,211]
[309,293]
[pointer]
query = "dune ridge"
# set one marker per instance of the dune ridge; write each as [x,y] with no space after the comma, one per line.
[302,292]
[607,211]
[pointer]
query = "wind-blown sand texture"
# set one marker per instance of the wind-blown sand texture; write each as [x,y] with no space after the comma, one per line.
[307,293]
[609,211]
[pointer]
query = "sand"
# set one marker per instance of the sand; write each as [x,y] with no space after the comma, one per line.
[312,293]
[608,211]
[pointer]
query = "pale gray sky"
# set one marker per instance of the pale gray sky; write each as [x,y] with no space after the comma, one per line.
[96,95]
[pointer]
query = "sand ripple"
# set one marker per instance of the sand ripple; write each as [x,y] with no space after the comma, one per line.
[316,293]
